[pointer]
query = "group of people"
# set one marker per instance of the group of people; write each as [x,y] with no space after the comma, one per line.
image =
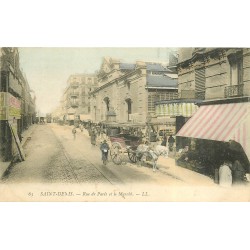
[231,174]
[104,146]
[98,134]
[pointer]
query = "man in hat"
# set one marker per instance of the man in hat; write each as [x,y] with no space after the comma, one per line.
[105,150]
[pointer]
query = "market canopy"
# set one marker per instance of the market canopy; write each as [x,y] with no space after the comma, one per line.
[175,109]
[221,122]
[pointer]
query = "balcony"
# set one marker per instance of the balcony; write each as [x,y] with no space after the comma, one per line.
[234,90]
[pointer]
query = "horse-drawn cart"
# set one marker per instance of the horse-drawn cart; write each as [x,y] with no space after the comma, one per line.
[132,145]
[122,144]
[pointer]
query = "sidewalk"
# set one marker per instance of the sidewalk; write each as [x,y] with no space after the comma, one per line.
[168,166]
[3,167]
[26,135]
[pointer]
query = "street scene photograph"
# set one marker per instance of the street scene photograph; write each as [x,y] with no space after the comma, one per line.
[124,124]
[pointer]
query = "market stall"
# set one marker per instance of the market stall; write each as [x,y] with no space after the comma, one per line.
[210,134]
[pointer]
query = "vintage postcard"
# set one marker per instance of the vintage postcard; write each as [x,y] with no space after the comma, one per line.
[124,124]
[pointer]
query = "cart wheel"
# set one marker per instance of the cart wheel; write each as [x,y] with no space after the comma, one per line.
[132,156]
[116,153]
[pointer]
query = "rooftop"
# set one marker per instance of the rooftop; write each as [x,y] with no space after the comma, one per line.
[127,66]
[156,67]
[159,81]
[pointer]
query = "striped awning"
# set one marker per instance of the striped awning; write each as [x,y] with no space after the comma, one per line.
[222,122]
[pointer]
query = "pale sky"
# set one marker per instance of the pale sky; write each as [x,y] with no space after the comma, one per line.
[47,69]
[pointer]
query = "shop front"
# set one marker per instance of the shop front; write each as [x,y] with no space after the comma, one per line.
[216,132]
[10,115]
[175,113]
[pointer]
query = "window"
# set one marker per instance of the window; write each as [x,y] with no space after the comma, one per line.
[159,96]
[3,82]
[200,81]
[236,68]
[236,74]
[106,100]
[129,103]
[151,102]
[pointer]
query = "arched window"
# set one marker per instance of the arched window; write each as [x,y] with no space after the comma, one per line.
[129,110]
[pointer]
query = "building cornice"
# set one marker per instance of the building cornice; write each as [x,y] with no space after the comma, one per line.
[204,57]
[118,79]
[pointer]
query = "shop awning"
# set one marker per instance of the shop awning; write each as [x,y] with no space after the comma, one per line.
[221,122]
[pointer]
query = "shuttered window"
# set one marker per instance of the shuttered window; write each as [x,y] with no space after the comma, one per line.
[200,83]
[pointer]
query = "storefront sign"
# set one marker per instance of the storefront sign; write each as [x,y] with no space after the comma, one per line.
[3,106]
[10,106]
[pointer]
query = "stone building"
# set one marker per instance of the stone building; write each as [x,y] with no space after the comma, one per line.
[221,78]
[75,100]
[213,73]
[17,105]
[127,92]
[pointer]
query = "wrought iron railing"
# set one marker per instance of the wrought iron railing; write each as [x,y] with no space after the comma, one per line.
[234,90]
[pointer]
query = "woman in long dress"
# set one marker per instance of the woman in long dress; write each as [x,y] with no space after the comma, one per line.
[225,174]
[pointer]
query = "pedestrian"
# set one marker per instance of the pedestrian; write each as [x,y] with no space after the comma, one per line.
[93,137]
[140,133]
[81,127]
[238,173]
[74,133]
[105,150]
[164,141]
[171,142]
[225,174]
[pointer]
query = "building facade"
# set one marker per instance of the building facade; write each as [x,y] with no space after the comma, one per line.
[127,92]
[17,104]
[213,73]
[221,78]
[75,100]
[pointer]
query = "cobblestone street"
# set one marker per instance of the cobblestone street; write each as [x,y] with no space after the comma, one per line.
[53,156]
